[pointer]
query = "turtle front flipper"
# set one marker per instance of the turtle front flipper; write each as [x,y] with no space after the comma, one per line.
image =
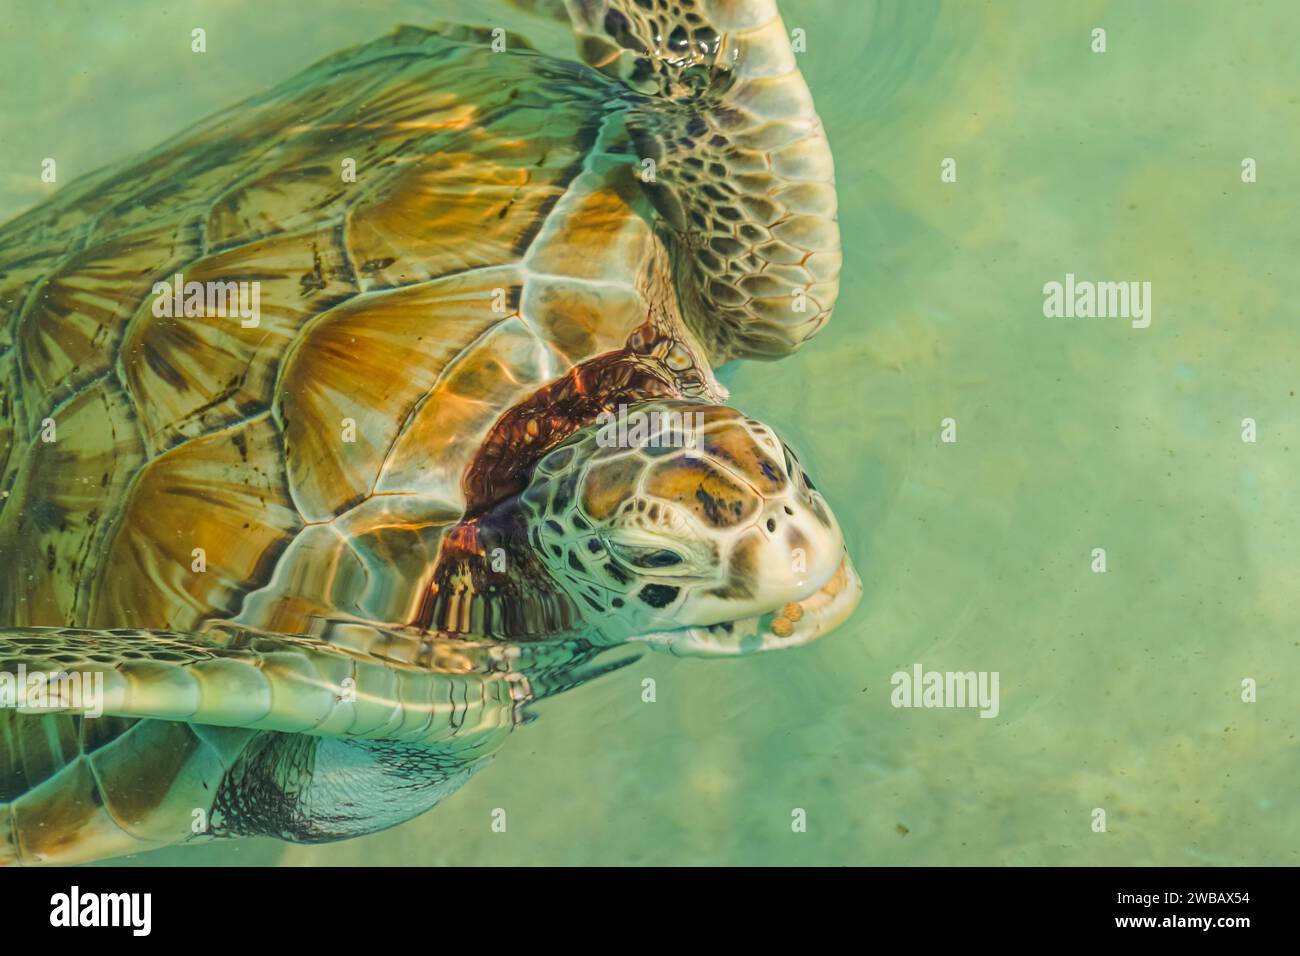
[356,680]
[119,741]
[734,158]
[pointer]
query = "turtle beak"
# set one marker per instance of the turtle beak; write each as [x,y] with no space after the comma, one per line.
[788,626]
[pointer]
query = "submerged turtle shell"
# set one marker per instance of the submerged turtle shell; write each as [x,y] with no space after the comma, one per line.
[308,465]
[203,471]
[169,474]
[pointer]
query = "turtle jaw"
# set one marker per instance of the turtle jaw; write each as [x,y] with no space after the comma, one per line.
[788,626]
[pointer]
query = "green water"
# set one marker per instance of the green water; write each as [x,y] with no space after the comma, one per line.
[1120,691]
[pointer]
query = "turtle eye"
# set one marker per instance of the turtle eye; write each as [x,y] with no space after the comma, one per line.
[649,559]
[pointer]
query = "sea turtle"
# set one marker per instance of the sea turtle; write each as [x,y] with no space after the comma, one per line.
[317,550]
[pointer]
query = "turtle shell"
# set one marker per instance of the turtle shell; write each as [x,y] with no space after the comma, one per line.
[219,512]
[166,471]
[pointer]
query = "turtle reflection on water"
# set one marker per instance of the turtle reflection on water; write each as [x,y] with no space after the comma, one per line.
[321,560]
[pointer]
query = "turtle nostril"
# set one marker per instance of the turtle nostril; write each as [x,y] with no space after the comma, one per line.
[771,525]
[788,510]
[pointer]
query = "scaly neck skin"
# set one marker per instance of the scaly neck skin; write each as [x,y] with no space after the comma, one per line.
[489,584]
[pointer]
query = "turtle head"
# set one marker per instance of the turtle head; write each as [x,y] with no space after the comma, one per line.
[692,528]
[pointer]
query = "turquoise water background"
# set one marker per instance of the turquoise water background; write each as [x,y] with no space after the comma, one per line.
[1120,691]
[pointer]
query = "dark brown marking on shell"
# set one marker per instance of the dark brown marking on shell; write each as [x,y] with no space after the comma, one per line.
[525,433]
